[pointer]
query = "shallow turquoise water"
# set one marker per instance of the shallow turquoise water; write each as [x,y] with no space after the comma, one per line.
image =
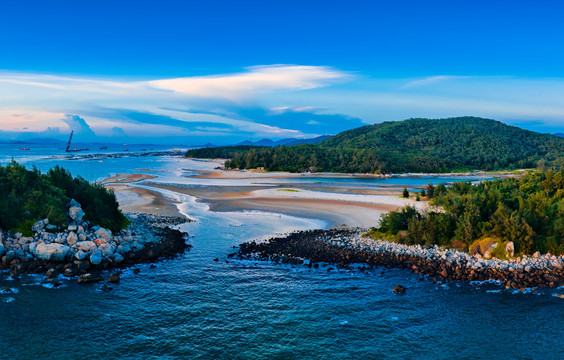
[192,307]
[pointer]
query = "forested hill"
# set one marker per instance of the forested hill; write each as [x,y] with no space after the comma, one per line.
[414,145]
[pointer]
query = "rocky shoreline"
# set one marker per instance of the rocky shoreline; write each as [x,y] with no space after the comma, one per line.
[346,247]
[82,249]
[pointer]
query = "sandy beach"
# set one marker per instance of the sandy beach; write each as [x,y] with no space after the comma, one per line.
[338,206]
[134,199]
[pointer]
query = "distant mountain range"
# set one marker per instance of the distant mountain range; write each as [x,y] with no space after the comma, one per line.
[414,145]
[270,143]
[287,141]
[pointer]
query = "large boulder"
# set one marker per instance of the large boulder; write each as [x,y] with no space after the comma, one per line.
[510,249]
[96,258]
[103,234]
[80,255]
[75,211]
[556,264]
[51,252]
[85,246]
[72,238]
[76,214]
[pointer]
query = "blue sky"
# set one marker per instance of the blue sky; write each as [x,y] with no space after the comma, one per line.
[193,72]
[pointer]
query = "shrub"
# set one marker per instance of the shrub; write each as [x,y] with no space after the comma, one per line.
[27,196]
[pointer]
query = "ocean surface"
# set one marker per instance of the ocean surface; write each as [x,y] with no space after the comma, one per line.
[192,307]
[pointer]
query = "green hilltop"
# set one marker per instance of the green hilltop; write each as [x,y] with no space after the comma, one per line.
[413,145]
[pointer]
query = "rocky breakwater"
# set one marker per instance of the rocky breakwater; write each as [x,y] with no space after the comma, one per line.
[81,248]
[346,247]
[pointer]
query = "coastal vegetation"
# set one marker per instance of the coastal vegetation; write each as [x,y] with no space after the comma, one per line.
[527,212]
[413,145]
[29,195]
[220,152]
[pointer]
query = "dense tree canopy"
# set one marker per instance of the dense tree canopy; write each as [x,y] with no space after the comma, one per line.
[220,152]
[414,145]
[528,211]
[27,196]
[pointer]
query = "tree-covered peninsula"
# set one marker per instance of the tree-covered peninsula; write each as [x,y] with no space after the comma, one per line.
[414,145]
[526,211]
[28,195]
[221,152]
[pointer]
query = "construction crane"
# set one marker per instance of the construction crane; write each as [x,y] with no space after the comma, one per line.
[69,143]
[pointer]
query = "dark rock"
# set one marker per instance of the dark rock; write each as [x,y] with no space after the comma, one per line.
[70,272]
[114,278]
[51,273]
[82,265]
[136,270]
[89,278]
[398,289]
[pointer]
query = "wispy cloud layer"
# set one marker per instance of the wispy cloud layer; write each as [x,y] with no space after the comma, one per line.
[261,101]
[256,80]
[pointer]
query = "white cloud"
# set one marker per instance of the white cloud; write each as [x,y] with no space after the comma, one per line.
[78,125]
[34,102]
[430,80]
[258,79]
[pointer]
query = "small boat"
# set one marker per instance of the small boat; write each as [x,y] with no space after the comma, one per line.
[103,147]
[25,149]
[125,149]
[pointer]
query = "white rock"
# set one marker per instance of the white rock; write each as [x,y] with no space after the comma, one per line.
[72,238]
[104,234]
[85,245]
[53,252]
[76,214]
[32,247]
[39,225]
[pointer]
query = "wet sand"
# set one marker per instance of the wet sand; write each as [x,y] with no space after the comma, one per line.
[133,199]
[336,212]
[337,206]
[127,178]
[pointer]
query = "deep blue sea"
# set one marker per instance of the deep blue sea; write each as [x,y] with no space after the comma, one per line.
[193,307]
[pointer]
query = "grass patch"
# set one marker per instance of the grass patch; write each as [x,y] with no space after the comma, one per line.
[289,190]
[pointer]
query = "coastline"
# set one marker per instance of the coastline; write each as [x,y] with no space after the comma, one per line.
[81,250]
[347,247]
[254,173]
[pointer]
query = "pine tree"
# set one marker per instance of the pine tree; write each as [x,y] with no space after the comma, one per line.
[405,192]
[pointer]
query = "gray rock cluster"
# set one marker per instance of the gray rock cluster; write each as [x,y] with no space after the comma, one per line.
[545,262]
[345,247]
[79,243]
